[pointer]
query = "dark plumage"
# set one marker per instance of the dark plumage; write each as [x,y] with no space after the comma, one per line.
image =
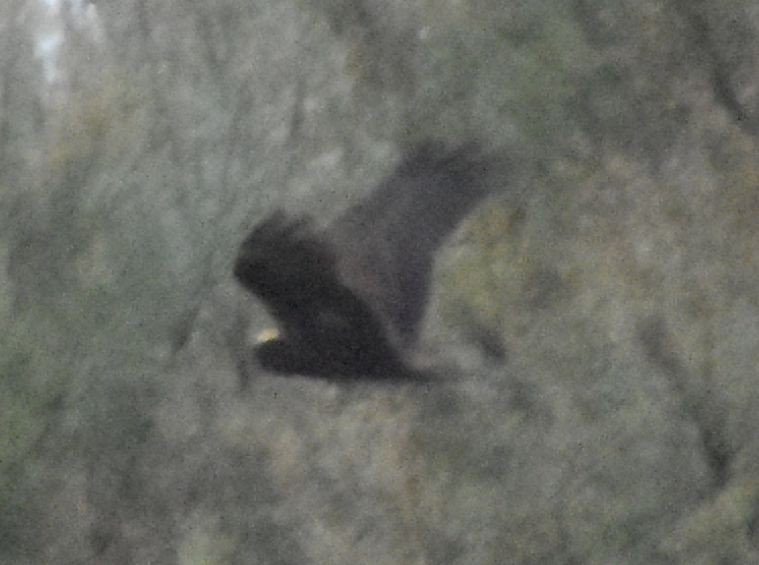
[349,298]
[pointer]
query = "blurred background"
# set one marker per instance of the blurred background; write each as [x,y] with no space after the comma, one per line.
[596,321]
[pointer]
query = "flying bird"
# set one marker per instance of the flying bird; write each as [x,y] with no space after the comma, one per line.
[349,298]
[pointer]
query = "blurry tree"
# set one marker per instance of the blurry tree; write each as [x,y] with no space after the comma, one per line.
[31,384]
[611,421]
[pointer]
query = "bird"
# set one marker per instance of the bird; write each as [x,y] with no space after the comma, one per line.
[348,298]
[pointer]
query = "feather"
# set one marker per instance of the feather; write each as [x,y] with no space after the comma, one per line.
[349,299]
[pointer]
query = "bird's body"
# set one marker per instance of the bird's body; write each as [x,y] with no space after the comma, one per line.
[349,298]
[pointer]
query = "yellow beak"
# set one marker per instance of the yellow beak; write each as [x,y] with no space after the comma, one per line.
[268,334]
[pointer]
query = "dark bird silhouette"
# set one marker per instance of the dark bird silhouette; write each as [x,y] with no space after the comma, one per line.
[349,298]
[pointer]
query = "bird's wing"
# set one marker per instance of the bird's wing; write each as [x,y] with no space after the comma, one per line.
[388,241]
[288,268]
[293,271]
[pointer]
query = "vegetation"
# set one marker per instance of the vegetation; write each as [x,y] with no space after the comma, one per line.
[594,324]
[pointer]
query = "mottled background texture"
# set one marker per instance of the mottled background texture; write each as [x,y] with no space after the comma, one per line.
[595,325]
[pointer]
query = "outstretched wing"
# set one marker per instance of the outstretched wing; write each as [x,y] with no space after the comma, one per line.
[388,241]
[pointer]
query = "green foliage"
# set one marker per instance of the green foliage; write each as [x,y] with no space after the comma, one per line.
[33,380]
[123,193]
[478,282]
[546,68]
[716,531]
